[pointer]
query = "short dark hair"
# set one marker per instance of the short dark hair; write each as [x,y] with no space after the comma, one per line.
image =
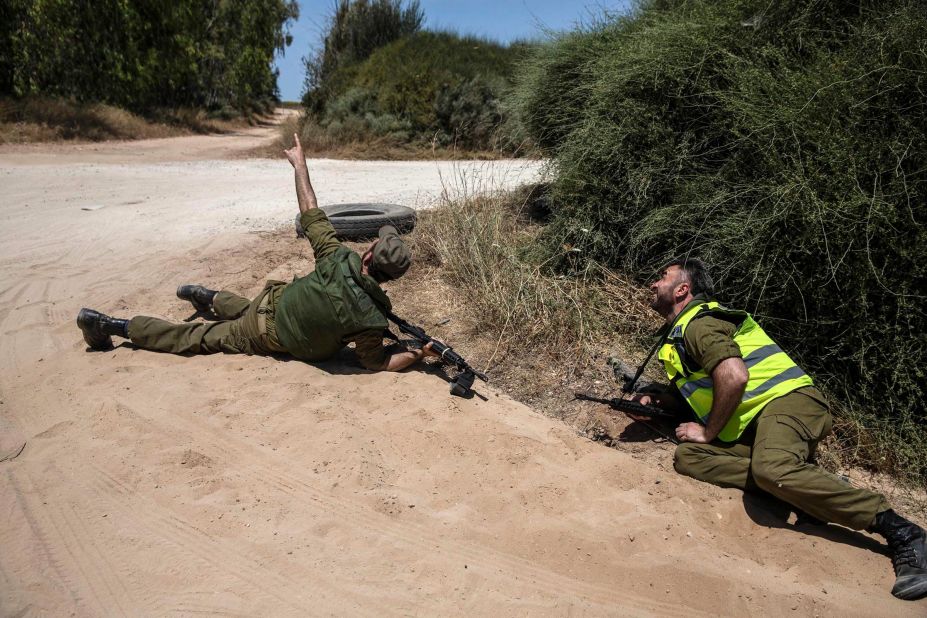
[696,271]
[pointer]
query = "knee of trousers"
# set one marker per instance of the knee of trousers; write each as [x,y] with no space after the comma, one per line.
[772,468]
[685,459]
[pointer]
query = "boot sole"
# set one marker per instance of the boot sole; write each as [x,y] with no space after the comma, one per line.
[911,587]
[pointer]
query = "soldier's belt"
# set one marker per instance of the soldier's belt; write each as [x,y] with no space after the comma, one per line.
[262,310]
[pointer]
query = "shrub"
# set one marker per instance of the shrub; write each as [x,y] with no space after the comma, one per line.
[784,143]
[379,76]
[414,78]
[469,112]
[356,29]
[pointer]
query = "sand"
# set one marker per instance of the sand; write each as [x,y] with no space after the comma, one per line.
[152,484]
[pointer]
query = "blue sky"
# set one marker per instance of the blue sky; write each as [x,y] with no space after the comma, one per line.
[501,20]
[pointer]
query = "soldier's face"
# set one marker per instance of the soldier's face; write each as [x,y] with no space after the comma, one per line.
[367,265]
[667,289]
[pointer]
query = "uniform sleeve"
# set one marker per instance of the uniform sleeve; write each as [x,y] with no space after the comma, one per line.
[370,350]
[320,233]
[710,340]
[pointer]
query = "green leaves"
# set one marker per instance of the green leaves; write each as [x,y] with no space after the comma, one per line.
[379,76]
[142,54]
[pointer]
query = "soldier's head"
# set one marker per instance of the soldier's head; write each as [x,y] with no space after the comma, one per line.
[680,281]
[388,257]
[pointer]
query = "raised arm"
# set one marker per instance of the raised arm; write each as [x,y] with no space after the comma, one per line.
[304,193]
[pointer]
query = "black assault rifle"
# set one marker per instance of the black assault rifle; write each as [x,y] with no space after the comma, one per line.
[462,385]
[629,407]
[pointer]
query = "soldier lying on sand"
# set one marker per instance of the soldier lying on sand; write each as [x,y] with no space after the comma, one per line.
[311,318]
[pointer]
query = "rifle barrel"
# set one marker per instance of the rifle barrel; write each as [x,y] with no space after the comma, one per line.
[629,406]
[586,397]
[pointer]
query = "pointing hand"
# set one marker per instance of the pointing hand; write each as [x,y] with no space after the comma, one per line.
[295,154]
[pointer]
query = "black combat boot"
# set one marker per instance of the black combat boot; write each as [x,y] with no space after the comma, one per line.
[201,298]
[99,328]
[908,543]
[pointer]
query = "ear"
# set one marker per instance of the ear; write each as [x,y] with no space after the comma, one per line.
[367,257]
[682,290]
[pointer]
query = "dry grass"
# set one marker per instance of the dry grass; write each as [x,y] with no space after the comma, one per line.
[43,120]
[483,241]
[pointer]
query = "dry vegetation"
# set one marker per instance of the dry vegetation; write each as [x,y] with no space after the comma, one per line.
[320,143]
[40,119]
[541,335]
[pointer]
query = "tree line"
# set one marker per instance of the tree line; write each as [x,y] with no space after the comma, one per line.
[145,54]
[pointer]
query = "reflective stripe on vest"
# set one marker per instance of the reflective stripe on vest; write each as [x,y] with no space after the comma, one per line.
[772,373]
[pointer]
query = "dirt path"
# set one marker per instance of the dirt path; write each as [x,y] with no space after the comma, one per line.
[153,484]
[190,148]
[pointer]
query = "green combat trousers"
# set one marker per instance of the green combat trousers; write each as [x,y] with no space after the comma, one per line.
[244,327]
[774,455]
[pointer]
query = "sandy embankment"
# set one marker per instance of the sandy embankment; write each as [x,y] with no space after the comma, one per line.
[154,484]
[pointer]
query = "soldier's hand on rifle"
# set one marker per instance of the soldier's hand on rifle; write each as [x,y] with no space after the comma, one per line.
[646,400]
[295,154]
[429,351]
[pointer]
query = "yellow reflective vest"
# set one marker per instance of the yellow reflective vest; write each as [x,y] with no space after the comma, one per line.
[772,373]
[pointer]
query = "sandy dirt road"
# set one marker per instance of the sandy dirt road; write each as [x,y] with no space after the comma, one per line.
[230,485]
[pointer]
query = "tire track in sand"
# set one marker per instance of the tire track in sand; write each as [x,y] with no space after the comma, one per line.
[217,553]
[64,550]
[96,577]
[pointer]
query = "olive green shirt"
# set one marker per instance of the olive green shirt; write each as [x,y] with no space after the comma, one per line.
[320,313]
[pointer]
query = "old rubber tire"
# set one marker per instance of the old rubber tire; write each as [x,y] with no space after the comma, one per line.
[364,220]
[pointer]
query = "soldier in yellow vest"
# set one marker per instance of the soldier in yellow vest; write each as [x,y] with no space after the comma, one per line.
[760,418]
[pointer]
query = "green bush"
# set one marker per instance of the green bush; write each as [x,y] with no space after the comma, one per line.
[784,143]
[468,113]
[379,76]
[420,78]
[356,29]
[355,115]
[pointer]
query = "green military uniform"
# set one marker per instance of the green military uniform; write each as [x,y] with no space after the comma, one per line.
[311,318]
[245,327]
[774,451]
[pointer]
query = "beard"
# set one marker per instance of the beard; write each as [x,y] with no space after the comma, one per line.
[662,304]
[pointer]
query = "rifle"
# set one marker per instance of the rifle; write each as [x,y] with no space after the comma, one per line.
[462,385]
[629,407]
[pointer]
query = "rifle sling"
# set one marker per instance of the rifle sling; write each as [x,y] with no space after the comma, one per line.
[628,387]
